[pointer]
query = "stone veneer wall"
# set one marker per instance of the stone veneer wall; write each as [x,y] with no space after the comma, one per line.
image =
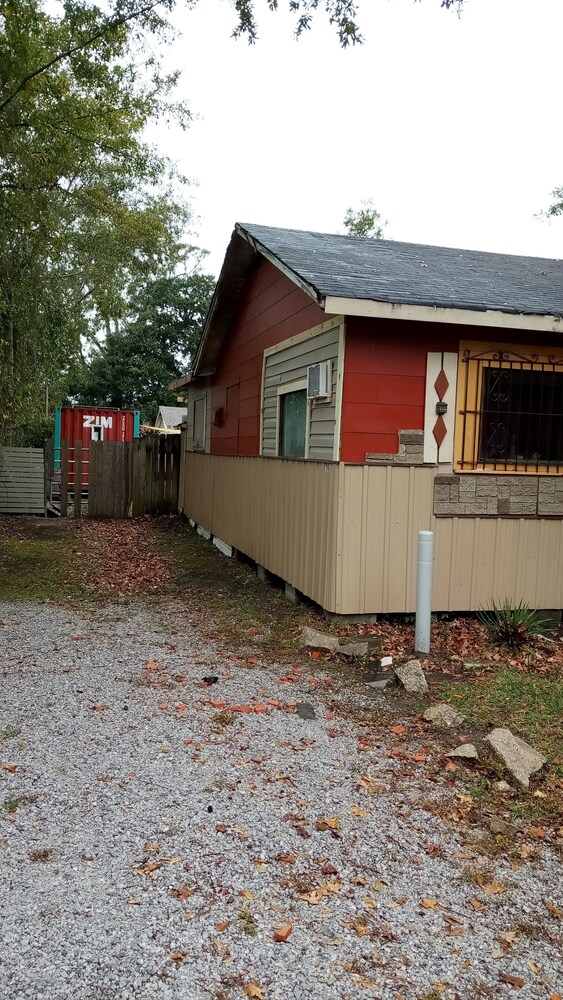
[411,451]
[498,496]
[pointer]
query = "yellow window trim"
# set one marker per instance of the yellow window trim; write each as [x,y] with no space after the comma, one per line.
[469,401]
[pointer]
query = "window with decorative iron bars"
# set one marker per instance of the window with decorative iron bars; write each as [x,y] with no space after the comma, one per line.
[510,412]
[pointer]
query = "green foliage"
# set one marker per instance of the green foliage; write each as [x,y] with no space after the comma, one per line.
[134,365]
[364,221]
[513,626]
[87,208]
[556,207]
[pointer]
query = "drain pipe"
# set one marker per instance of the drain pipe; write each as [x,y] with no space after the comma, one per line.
[424,591]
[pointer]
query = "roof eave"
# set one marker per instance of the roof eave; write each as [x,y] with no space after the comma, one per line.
[495,318]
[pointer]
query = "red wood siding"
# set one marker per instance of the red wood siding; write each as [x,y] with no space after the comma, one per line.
[384,381]
[272,309]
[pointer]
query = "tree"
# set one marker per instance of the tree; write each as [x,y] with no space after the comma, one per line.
[556,207]
[133,368]
[83,213]
[364,221]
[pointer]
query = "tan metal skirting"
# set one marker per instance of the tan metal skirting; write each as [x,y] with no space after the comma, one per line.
[346,535]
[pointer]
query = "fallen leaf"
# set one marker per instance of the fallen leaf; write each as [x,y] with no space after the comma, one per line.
[147,869]
[221,828]
[429,904]
[179,956]
[398,730]
[285,858]
[513,981]
[151,665]
[361,929]
[163,707]
[217,704]
[182,892]
[368,901]
[241,832]
[10,767]
[538,832]
[476,904]
[533,967]
[261,867]
[171,861]
[247,893]
[282,933]
[102,777]
[490,888]
[99,708]
[254,990]
[554,910]
[222,926]
[358,811]
[181,707]
[151,845]
[327,824]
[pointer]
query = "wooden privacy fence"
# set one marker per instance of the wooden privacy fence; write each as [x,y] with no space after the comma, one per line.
[125,478]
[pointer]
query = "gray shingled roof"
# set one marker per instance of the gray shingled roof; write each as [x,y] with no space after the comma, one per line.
[413,274]
[172,416]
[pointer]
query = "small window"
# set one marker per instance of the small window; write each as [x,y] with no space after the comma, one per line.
[293,424]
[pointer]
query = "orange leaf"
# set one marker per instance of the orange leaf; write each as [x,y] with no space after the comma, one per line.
[253,990]
[187,742]
[222,926]
[282,933]
[538,832]
[181,707]
[419,758]
[251,659]
[513,981]
[10,767]
[398,730]
[315,655]
[163,707]
[429,904]
[151,665]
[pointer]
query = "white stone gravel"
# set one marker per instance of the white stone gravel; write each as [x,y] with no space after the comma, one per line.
[85,925]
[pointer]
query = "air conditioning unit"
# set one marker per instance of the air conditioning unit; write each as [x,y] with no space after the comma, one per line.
[319,380]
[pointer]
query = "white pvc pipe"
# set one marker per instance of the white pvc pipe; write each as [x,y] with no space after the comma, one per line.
[424,591]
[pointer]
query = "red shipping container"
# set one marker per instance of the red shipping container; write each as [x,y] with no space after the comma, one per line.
[91,423]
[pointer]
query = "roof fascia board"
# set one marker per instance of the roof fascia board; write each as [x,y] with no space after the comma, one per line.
[259,247]
[436,314]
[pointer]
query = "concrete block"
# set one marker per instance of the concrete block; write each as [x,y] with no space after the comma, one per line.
[203,532]
[451,509]
[292,594]
[223,547]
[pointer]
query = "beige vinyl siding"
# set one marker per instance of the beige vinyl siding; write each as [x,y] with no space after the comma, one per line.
[346,535]
[288,365]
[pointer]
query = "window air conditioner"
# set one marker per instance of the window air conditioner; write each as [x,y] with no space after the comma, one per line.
[318,380]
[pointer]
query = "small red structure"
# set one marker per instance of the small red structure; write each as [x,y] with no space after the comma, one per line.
[91,423]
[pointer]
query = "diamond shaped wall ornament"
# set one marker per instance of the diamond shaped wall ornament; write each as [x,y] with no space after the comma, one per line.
[439,431]
[441,385]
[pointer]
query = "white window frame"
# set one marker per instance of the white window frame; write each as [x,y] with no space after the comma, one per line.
[283,390]
[201,397]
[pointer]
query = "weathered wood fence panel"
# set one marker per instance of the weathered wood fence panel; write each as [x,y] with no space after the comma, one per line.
[132,478]
[22,481]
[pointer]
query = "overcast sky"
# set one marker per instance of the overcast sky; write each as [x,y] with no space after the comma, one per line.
[452,125]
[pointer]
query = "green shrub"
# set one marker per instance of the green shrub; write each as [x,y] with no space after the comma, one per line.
[515,625]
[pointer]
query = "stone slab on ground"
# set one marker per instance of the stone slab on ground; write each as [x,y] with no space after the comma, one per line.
[521,759]
[467,751]
[353,649]
[312,639]
[443,716]
[411,676]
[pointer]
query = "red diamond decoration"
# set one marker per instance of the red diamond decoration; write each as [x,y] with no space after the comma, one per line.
[440,431]
[441,384]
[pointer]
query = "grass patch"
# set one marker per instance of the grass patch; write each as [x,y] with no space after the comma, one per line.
[236,603]
[530,705]
[41,559]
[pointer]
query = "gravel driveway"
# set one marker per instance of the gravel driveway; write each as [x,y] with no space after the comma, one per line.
[153,843]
